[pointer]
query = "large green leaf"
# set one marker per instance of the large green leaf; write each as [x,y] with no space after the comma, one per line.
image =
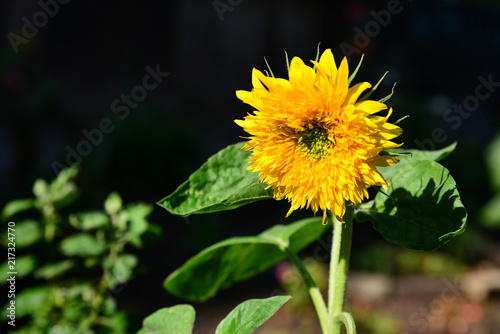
[423,210]
[221,183]
[249,315]
[177,319]
[237,259]
[412,155]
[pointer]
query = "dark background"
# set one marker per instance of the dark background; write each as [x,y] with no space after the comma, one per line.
[63,81]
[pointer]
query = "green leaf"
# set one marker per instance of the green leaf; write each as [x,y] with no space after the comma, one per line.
[116,323]
[31,300]
[490,213]
[493,161]
[81,245]
[27,233]
[222,264]
[137,214]
[60,192]
[423,210]
[24,265]
[17,206]
[113,203]
[221,183]
[249,315]
[91,220]
[121,269]
[413,156]
[178,319]
[51,270]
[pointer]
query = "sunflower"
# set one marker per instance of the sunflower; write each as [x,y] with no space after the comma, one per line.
[311,141]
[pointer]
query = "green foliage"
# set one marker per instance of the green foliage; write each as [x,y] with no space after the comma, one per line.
[25,264]
[178,319]
[422,208]
[221,265]
[17,206]
[244,319]
[378,322]
[490,213]
[28,232]
[83,245]
[75,261]
[249,315]
[493,161]
[221,183]
[389,259]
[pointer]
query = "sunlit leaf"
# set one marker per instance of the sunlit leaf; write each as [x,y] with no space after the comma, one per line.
[249,315]
[221,183]
[178,319]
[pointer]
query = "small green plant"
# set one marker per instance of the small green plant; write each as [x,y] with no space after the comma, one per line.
[74,262]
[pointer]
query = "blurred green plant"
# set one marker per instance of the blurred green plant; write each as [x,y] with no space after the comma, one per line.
[388,259]
[490,213]
[74,263]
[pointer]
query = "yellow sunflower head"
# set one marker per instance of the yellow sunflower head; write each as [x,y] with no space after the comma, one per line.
[311,141]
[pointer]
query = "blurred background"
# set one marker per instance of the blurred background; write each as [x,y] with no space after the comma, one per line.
[79,70]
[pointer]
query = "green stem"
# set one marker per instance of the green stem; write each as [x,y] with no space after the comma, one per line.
[51,219]
[339,267]
[314,292]
[334,261]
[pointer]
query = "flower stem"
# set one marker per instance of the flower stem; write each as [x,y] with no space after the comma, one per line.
[314,292]
[339,267]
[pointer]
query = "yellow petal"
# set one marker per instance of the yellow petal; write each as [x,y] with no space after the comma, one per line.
[327,61]
[355,91]
[370,107]
[300,74]
[341,83]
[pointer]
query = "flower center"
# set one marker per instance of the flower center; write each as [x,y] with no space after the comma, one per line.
[314,141]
